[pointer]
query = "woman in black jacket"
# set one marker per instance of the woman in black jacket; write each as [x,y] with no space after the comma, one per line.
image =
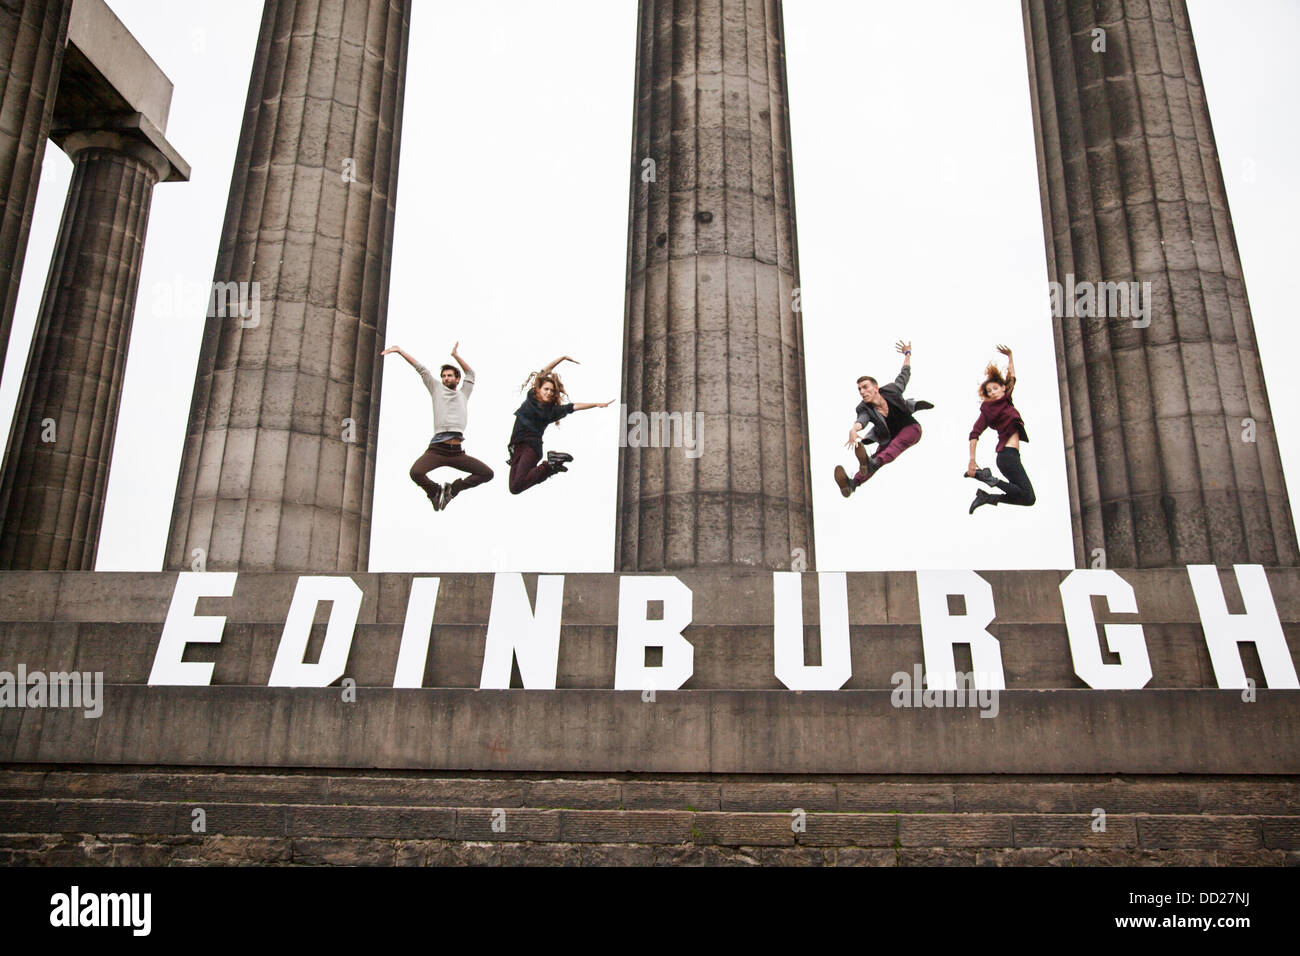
[544,404]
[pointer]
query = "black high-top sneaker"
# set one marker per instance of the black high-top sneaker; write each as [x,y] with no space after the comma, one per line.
[447,495]
[557,460]
[435,496]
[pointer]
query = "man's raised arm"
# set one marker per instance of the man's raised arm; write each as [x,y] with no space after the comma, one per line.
[423,372]
[464,366]
[406,355]
[905,374]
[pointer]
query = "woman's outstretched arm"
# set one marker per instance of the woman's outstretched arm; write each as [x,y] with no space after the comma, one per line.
[1011,367]
[563,358]
[580,406]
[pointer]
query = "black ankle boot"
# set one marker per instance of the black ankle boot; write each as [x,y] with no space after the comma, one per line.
[983,474]
[982,497]
[557,459]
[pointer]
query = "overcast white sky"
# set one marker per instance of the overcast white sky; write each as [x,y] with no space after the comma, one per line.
[919,217]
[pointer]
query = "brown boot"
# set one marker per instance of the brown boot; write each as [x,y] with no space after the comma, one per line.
[842,479]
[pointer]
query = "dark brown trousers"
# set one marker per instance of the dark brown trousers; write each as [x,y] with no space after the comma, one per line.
[447,455]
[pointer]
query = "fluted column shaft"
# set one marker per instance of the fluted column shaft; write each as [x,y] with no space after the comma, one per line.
[56,467]
[1160,466]
[278,467]
[712,322]
[33,36]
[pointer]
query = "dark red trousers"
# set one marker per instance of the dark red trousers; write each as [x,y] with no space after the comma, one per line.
[905,439]
[524,468]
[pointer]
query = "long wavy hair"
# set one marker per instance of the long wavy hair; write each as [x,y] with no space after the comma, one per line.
[535,381]
[992,375]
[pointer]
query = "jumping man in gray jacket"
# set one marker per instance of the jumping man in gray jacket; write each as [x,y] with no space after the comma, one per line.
[884,417]
[450,416]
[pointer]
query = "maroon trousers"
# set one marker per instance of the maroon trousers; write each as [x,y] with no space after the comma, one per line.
[905,439]
[444,455]
[524,468]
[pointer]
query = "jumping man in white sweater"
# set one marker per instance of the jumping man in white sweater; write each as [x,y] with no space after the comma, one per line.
[450,415]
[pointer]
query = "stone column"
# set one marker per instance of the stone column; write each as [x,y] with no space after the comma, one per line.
[712,322]
[56,468]
[1158,420]
[278,467]
[33,35]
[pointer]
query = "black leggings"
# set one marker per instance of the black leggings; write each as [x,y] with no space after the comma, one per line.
[1017,487]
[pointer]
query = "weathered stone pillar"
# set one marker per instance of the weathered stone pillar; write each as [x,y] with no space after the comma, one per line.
[56,468]
[32,40]
[1170,448]
[712,322]
[278,466]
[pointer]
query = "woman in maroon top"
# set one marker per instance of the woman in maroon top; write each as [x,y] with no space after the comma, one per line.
[998,413]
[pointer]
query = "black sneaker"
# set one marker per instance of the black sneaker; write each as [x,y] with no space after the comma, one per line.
[435,496]
[982,497]
[557,459]
[447,495]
